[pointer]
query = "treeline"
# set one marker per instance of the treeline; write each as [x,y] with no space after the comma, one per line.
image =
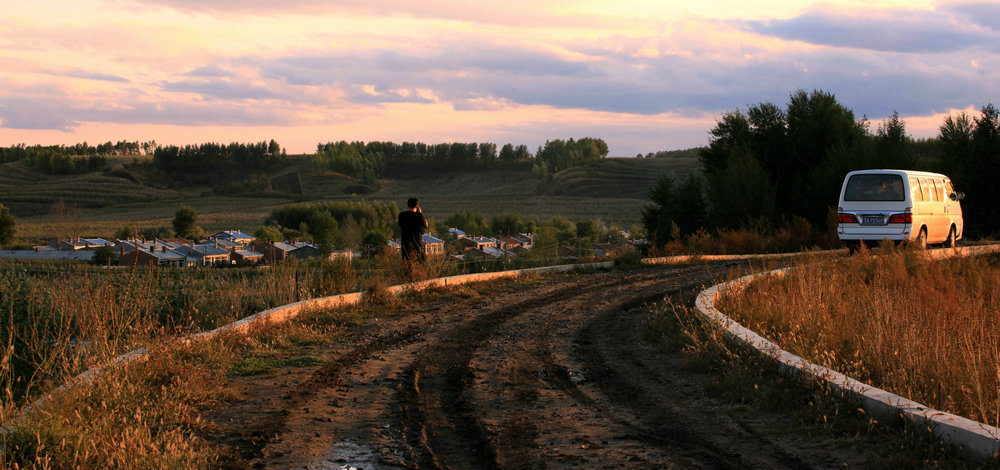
[377,159]
[684,153]
[769,167]
[374,159]
[71,159]
[212,156]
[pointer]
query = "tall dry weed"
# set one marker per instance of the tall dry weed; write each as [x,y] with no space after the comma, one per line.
[922,329]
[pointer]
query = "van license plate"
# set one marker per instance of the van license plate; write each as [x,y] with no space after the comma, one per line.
[873,220]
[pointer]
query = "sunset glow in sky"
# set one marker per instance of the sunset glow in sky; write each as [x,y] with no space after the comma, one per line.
[643,75]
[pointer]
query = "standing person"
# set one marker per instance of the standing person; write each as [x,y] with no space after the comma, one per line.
[411,228]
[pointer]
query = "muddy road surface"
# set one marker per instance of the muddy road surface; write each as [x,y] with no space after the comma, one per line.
[552,373]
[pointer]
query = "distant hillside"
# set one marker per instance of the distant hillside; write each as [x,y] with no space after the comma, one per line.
[617,177]
[27,191]
[134,193]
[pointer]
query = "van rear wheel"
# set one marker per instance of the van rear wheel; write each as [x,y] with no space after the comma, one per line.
[921,241]
[950,241]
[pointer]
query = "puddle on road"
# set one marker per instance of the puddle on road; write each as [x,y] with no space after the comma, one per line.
[349,455]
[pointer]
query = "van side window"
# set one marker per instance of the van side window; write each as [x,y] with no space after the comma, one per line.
[915,193]
[925,189]
[939,187]
[948,188]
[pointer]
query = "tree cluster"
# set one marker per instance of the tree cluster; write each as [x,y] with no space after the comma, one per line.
[691,152]
[58,163]
[970,155]
[372,160]
[559,154]
[71,159]
[676,210]
[212,156]
[333,224]
[108,149]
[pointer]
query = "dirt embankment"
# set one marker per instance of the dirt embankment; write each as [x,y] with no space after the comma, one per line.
[550,374]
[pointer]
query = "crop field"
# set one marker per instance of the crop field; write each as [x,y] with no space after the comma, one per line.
[625,178]
[921,329]
[32,192]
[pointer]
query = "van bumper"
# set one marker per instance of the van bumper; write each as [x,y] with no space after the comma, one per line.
[855,232]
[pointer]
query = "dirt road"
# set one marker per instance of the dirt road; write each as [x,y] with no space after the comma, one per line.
[548,374]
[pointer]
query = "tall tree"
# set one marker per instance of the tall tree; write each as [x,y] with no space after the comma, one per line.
[8,225]
[323,229]
[185,220]
[656,217]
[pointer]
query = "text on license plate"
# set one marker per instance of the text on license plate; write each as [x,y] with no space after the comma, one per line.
[873,220]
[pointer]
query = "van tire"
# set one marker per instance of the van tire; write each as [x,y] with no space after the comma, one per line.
[950,241]
[921,241]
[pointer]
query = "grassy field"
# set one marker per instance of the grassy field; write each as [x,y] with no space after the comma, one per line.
[129,193]
[925,330]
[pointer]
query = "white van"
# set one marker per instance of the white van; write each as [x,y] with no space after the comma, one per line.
[899,205]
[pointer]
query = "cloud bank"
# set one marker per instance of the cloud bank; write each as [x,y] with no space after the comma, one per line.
[248,63]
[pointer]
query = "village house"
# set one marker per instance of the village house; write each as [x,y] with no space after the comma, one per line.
[75,244]
[245,256]
[527,240]
[567,253]
[236,237]
[164,252]
[432,245]
[606,250]
[490,251]
[276,252]
[228,245]
[154,255]
[312,251]
[204,255]
[477,243]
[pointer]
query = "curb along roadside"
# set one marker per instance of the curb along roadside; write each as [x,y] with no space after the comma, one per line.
[973,439]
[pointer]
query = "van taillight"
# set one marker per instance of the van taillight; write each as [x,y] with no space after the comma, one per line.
[904,218]
[844,218]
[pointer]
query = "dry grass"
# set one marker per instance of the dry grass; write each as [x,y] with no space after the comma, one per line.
[921,329]
[149,413]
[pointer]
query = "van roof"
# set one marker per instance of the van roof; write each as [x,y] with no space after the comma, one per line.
[899,172]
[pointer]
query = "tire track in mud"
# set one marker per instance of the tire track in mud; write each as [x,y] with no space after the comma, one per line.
[551,374]
[266,438]
[585,428]
[443,424]
[435,415]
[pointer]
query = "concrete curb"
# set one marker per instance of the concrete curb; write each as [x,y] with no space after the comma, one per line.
[974,440]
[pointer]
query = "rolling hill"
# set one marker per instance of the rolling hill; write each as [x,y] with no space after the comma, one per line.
[133,193]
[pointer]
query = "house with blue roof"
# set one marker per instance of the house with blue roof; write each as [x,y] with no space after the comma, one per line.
[235,236]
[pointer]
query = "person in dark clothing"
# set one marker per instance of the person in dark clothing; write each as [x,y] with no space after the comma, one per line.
[411,228]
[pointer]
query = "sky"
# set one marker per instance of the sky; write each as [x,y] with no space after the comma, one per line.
[644,76]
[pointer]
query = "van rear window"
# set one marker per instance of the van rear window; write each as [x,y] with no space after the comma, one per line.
[874,187]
